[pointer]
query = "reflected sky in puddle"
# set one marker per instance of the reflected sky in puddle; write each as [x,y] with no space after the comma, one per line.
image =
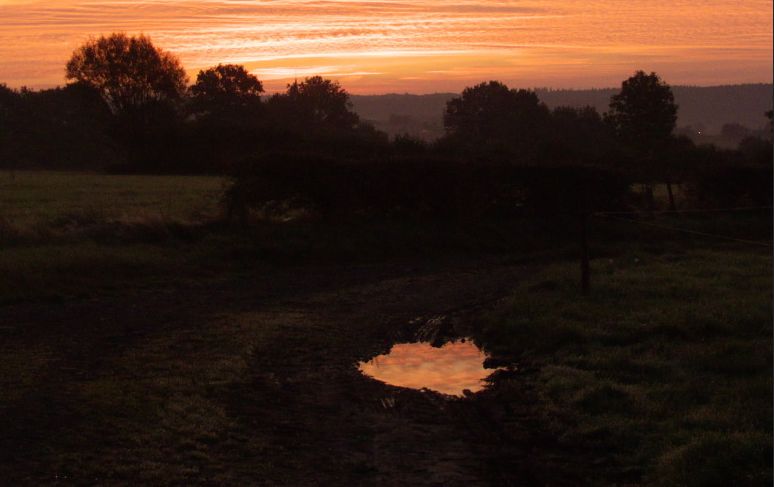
[450,369]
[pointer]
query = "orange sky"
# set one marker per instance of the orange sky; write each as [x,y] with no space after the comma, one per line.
[450,369]
[377,46]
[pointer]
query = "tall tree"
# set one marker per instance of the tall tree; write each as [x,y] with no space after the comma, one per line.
[228,117]
[644,115]
[322,102]
[492,120]
[141,84]
[129,72]
[226,88]
[9,107]
[644,112]
[580,136]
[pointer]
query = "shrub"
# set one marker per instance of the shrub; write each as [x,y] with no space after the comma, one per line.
[736,186]
[416,187]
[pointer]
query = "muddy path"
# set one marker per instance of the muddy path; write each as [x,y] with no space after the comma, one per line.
[252,381]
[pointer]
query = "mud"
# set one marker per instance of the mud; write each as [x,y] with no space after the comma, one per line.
[254,381]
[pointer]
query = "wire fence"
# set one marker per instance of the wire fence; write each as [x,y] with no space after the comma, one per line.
[687,211]
[618,215]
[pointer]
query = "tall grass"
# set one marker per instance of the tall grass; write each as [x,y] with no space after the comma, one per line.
[665,368]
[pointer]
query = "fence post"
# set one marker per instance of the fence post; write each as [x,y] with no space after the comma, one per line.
[585,267]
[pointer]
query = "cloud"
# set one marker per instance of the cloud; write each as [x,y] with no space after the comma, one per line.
[386,39]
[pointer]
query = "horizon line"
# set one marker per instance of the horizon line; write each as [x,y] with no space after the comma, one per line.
[406,93]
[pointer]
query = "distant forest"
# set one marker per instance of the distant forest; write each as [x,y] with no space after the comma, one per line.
[702,109]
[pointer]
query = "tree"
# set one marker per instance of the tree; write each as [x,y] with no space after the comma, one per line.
[734,132]
[141,84]
[580,136]
[492,120]
[316,115]
[321,102]
[226,88]
[9,103]
[644,111]
[228,117]
[128,72]
[644,115]
[756,150]
[58,128]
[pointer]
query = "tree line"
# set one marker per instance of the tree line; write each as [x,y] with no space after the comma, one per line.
[128,107]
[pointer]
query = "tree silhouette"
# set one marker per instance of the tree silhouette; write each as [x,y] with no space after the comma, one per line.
[129,72]
[228,117]
[492,120]
[644,115]
[226,88]
[579,136]
[9,101]
[644,111]
[141,84]
[321,102]
[58,128]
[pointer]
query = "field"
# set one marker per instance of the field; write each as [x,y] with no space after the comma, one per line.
[67,234]
[667,364]
[34,198]
[145,341]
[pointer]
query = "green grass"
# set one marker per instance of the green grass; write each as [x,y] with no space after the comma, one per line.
[666,365]
[39,197]
[70,235]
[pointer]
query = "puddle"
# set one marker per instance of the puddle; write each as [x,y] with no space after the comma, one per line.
[450,369]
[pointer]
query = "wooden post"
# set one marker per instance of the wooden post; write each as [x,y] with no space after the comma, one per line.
[585,267]
[650,199]
[672,205]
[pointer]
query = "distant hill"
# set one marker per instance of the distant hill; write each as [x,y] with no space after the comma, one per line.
[705,109]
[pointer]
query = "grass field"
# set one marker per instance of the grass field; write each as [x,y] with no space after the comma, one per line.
[74,234]
[40,197]
[662,376]
[666,365]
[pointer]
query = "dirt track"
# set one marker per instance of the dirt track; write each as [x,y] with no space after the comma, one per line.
[252,381]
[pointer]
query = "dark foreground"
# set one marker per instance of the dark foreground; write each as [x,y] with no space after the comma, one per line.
[141,343]
[254,382]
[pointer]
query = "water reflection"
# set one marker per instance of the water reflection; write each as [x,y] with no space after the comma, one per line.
[450,369]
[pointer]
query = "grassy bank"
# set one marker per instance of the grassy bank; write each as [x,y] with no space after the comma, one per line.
[664,370]
[29,198]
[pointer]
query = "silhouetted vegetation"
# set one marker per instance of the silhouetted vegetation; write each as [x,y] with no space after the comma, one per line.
[703,109]
[129,110]
[62,128]
[223,120]
[492,122]
[142,85]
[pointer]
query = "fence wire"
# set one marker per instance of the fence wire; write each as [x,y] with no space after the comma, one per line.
[614,216]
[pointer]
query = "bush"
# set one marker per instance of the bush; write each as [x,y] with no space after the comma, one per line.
[564,191]
[718,459]
[417,187]
[736,186]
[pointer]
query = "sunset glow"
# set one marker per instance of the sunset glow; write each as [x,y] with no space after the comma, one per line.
[416,46]
[450,369]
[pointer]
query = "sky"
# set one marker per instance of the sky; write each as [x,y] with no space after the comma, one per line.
[450,369]
[416,46]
